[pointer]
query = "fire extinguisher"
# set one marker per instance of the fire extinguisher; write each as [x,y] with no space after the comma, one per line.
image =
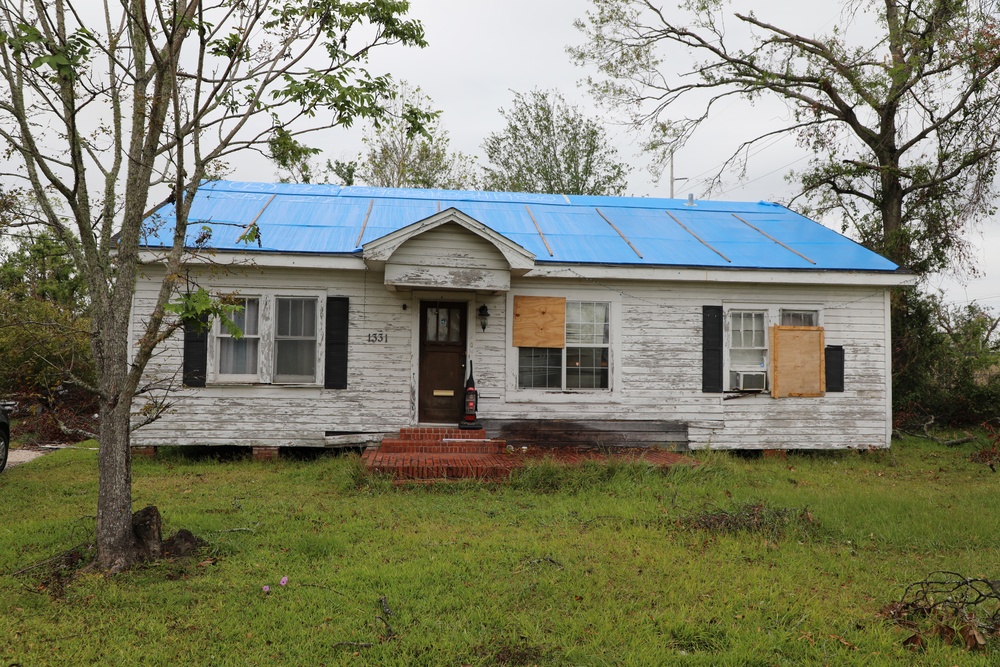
[471,403]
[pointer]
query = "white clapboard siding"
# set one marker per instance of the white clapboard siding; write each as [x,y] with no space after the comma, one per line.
[656,354]
[378,397]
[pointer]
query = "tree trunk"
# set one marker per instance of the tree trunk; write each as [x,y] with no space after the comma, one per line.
[116,545]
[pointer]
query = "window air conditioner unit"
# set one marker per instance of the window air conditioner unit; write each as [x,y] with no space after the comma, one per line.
[751,381]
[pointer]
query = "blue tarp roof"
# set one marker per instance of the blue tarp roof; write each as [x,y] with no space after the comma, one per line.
[578,229]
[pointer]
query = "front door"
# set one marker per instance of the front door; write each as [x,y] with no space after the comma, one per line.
[442,361]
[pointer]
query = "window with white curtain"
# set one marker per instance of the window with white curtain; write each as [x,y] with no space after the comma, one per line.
[279,342]
[240,356]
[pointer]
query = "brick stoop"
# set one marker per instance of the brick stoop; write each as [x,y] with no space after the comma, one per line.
[441,453]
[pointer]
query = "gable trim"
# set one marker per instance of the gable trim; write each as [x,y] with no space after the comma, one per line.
[382,248]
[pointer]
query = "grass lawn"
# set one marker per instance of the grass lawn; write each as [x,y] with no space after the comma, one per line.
[593,566]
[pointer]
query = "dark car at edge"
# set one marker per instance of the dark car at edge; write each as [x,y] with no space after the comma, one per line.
[4,437]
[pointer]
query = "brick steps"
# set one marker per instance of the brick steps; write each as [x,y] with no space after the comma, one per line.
[423,446]
[420,466]
[440,453]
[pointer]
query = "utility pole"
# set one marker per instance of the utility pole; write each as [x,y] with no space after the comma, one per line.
[672,179]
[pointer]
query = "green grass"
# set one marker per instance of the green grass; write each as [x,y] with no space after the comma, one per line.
[590,566]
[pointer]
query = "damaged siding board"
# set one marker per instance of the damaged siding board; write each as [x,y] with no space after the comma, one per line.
[539,321]
[590,434]
[436,277]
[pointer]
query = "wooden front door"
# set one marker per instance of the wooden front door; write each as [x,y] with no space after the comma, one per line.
[442,361]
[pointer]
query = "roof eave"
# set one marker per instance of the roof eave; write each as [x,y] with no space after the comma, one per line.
[671,273]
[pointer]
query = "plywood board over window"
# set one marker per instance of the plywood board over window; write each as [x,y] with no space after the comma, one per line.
[798,365]
[539,321]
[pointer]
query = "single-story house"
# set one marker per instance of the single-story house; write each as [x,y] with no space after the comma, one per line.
[610,320]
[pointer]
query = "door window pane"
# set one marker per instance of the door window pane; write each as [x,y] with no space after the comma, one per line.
[444,325]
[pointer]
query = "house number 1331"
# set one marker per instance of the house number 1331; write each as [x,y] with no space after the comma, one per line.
[378,337]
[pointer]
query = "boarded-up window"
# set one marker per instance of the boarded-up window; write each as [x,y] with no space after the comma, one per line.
[798,365]
[539,321]
[580,359]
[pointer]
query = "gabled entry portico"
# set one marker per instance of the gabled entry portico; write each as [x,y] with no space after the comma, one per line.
[446,261]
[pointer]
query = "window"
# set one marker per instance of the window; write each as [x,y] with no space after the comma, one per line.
[799,318]
[582,363]
[540,368]
[295,340]
[239,356]
[747,350]
[279,345]
[758,349]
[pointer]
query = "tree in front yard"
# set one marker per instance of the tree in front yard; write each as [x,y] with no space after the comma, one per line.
[113,108]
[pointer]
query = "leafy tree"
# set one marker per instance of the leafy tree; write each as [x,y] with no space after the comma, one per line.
[44,334]
[40,267]
[946,361]
[44,347]
[903,125]
[105,110]
[551,146]
[398,156]
[345,172]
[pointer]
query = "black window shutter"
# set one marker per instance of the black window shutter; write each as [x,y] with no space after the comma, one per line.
[337,312]
[711,349]
[196,352]
[835,368]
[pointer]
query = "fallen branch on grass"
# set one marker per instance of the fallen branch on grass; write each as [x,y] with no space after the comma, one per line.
[956,609]
[926,435]
[69,555]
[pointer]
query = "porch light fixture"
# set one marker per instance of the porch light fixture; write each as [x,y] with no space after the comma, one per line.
[484,316]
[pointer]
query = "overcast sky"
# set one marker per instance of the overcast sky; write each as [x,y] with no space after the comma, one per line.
[481,50]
